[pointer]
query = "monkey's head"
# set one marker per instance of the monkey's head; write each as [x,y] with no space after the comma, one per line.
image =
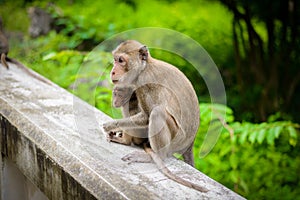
[121,95]
[128,55]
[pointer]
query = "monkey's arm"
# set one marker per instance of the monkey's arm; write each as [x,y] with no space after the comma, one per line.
[136,121]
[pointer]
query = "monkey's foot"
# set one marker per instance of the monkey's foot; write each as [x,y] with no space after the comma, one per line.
[114,136]
[137,156]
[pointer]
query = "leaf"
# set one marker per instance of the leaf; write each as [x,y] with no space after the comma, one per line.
[244,185]
[277,131]
[293,141]
[253,136]
[233,159]
[243,137]
[234,176]
[225,150]
[271,136]
[49,56]
[292,132]
[261,135]
[293,135]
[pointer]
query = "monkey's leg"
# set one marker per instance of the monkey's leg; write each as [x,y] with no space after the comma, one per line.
[137,156]
[163,128]
[162,124]
[188,156]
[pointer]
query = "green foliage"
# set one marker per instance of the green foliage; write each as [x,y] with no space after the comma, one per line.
[265,132]
[95,23]
[259,161]
[10,11]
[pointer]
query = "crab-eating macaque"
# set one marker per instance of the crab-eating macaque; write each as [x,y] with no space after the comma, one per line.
[167,101]
[167,107]
[125,97]
[4,47]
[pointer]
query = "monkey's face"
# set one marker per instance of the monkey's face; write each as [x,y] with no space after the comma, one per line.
[117,101]
[121,95]
[123,63]
[127,56]
[119,69]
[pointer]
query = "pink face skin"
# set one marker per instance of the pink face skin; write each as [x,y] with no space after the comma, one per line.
[119,68]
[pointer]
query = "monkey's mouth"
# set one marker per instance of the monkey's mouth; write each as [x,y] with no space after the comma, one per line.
[115,81]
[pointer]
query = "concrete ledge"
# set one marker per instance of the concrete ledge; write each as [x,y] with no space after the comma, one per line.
[55,140]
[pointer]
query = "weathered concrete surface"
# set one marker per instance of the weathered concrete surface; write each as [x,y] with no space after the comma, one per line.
[15,185]
[55,140]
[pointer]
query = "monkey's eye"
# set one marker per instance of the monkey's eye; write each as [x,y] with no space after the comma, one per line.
[121,59]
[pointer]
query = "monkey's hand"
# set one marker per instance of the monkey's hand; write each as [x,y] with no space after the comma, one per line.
[110,126]
[112,131]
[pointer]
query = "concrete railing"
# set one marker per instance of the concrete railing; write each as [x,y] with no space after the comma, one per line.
[52,147]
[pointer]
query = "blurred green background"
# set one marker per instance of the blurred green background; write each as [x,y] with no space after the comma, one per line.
[255,45]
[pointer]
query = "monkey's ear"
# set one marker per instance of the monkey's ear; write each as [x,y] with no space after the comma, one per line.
[143,53]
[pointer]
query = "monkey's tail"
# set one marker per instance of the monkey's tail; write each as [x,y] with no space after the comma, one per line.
[27,71]
[3,60]
[162,167]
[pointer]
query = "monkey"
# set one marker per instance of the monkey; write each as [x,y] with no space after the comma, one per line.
[125,97]
[167,106]
[155,83]
[4,49]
